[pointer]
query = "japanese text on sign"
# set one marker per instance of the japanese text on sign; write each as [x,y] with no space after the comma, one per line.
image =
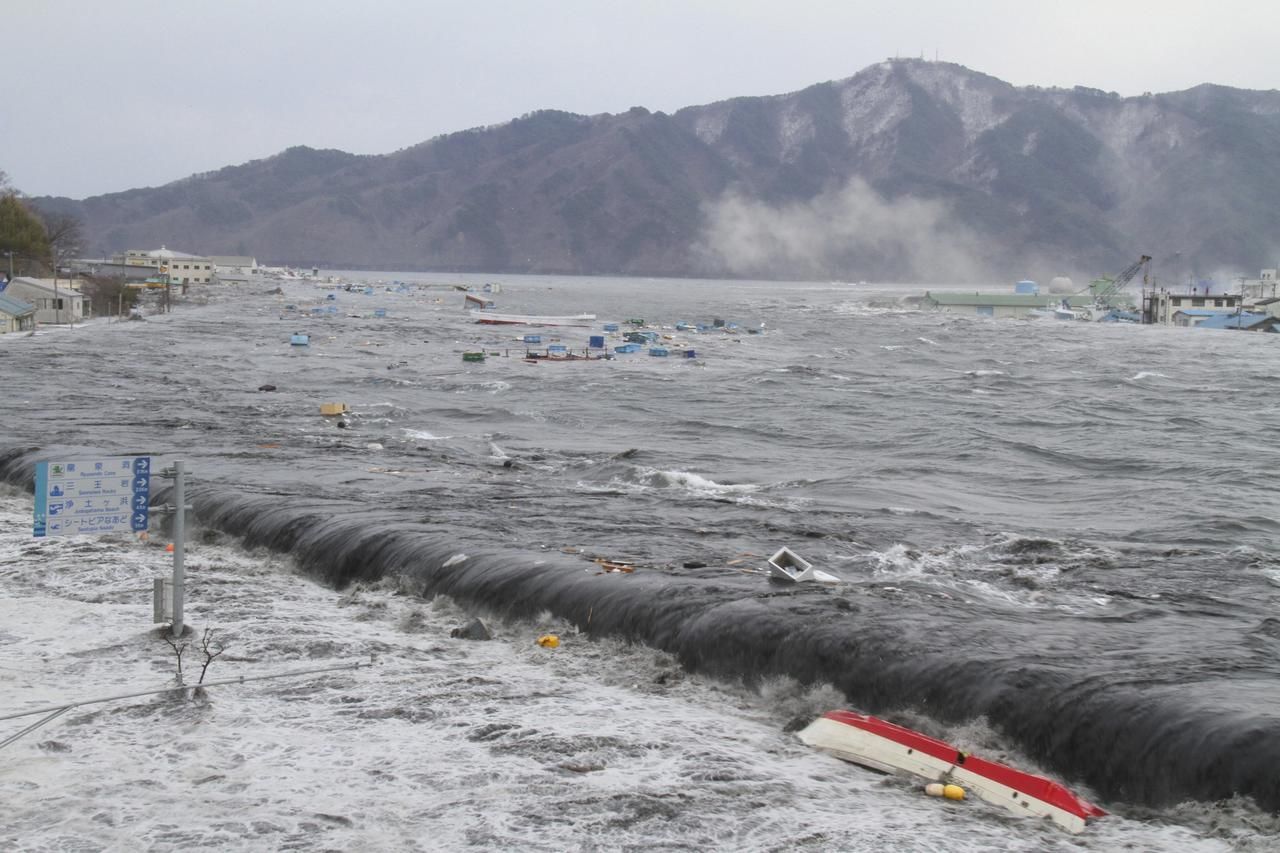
[80,497]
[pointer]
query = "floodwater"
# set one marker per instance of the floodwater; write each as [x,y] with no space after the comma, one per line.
[1057,541]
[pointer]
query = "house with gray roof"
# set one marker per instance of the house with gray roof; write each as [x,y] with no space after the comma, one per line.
[52,304]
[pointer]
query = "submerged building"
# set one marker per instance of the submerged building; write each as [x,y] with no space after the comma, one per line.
[1018,305]
[1162,306]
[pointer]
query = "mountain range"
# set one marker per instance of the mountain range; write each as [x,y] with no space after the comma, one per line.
[908,171]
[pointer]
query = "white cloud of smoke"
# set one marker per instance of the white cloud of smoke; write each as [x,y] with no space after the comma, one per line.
[852,233]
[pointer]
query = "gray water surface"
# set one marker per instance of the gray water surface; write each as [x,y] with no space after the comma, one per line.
[1064,530]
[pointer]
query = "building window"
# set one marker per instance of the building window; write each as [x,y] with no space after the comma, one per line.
[1198,302]
[1217,303]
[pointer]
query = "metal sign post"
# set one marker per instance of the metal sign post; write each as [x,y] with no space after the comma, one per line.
[110,495]
[179,507]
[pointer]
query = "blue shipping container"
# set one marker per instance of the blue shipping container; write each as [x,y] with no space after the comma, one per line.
[596,342]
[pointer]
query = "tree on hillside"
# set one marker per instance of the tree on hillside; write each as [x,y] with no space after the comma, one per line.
[23,239]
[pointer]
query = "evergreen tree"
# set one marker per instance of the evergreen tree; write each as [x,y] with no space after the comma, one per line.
[22,233]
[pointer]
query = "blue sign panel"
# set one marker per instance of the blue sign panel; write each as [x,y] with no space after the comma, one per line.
[87,496]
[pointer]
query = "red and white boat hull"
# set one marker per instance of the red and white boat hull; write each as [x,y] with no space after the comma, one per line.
[881,745]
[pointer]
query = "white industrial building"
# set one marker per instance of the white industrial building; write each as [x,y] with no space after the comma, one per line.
[182,268]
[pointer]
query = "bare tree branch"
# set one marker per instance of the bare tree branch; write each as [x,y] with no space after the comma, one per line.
[178,649]
[211,651]
[64,233]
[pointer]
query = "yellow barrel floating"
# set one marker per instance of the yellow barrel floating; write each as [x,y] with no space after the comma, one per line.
[549,641]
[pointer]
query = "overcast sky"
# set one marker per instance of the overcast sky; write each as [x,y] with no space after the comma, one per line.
[105,95]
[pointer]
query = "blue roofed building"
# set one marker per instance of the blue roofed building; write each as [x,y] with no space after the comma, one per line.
[1245,321]
[16,315]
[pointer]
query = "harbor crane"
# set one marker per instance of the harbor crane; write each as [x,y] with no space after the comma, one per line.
[1105,291]
[1103,295]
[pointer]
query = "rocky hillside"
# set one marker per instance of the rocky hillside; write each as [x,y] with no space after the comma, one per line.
[910,170]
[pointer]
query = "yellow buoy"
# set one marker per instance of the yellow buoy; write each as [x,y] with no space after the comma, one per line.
[549,641]
[950,792]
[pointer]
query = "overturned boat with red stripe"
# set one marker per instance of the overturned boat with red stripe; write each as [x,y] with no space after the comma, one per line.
[881,745]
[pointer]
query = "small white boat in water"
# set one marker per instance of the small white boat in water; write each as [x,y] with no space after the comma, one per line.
[786,565]
[890,748]
[495,318]
[1055,311]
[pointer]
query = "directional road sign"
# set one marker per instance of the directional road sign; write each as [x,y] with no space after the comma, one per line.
[111,495]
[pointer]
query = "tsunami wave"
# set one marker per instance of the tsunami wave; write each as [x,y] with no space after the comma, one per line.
[1078,710]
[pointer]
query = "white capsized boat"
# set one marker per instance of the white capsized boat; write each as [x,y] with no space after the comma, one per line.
[881,745]
[787,565]
[495,318]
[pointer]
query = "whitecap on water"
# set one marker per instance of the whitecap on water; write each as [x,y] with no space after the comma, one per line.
[423,435]
[693,482]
